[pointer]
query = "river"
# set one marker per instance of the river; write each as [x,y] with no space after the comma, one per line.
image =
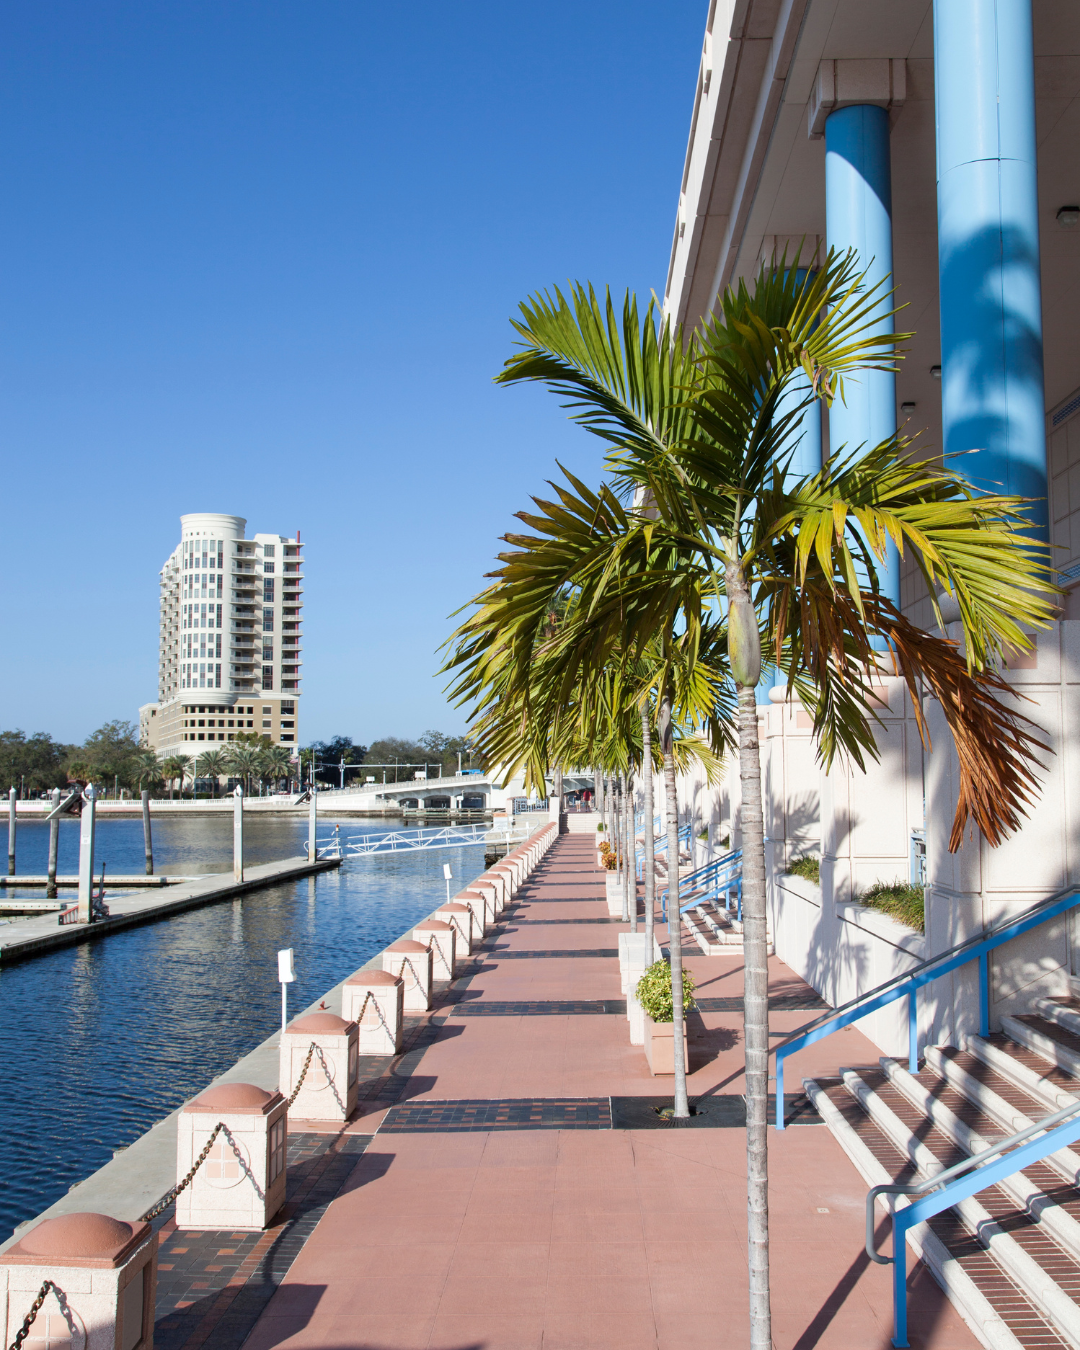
[101,1040]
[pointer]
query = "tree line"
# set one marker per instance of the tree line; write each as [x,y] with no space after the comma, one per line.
[434,748]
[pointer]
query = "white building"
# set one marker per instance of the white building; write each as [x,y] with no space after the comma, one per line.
[230,637]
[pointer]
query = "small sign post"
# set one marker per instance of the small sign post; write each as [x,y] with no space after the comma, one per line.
[86,855]
[286,975]
[448,873]
[238,834]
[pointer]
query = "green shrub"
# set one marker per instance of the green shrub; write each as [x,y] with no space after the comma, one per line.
[600,827]
[704,834]
[809,867]
[604,846]
[654,992]
[900,900]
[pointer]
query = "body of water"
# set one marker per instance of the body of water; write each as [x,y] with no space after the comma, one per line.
[101,1040]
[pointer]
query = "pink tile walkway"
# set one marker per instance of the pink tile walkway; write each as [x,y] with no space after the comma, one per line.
[569,1240]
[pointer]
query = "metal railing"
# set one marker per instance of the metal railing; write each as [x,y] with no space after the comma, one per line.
[908,984]
[719,881]
[401,841]
[957,1183]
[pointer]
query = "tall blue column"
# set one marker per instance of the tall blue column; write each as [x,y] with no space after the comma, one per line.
[858,215]
[992,399]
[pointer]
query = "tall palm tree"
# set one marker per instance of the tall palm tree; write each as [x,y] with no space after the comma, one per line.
[214,765]
[174,767]
[276,763]
[146,770]
[699,435]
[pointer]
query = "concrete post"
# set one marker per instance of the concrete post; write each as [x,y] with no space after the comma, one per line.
[11,833]
[858,215]
[54,847]
[148,842]
[86,853]
[992,401]
[312,820]
[238,833]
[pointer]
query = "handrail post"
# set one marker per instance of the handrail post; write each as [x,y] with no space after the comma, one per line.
[984,994]
[779,1092]
[900,1337]
[913,1030]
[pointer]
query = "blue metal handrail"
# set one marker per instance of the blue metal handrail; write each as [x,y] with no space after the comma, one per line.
[907,985]
[660,842]
[958,1183]
[721,875]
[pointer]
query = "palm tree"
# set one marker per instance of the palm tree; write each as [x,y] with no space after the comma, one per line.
[700,438]
[174,767]
[243,761]
[214,765]
[276,762]
[146,770]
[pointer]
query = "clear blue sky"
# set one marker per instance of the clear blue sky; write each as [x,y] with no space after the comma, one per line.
[259,257]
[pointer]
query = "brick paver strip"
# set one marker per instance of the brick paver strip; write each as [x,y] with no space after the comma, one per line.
[524,954]
[515,1113]
[567,1007]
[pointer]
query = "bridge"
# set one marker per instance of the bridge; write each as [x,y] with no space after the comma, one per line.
[456,792]
[411,841]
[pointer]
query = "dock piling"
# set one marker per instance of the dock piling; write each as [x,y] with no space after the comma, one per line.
[86,854]
[313,807]
[54,845]
[148,841]
[11,834]
[238,834]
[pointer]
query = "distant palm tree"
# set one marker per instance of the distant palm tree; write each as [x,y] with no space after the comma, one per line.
[276,763]
[243,761]
[214,765]
[174,767]
[146,770]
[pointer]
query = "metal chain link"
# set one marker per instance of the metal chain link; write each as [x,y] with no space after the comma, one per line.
[370,998]
[164,1204]
[303,1075]
[31,1316]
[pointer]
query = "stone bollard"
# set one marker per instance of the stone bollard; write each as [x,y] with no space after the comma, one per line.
[497,889]
[508,873]
[481,904]
[329,1089]
[104,1277]
[374,1000]
[241,1185]
[461,916]
[412,961]
[440,937]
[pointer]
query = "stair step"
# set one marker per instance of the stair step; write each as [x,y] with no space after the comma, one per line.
[1064,1012]
[992,1303]
[1056,1044]
[1024,1068]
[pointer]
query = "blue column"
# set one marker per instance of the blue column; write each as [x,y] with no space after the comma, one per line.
[804,443]
[992,398]
[858,215]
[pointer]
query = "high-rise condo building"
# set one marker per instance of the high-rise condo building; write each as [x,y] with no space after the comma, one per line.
[229,657]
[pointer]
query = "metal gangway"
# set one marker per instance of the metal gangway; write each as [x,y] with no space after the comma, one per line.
[337,845]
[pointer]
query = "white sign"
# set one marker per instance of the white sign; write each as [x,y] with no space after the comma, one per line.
[447,871]
[285,972]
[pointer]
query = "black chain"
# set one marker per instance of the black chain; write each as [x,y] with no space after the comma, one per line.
[31,1316]
[303,1075]
[164,1204]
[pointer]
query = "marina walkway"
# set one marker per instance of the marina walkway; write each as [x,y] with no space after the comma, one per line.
[517,1189]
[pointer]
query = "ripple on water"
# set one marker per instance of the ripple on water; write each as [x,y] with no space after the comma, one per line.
[101,1040]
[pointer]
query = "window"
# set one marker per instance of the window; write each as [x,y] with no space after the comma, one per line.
[268,620]
[290,684]
[287,706]
[287,738]
[269,551]
[250,722]
[288,724]
[268,650]
[202,735]
[268,677]
[268,589]
[267,722]
[268,567]
[265,711]
[230,724]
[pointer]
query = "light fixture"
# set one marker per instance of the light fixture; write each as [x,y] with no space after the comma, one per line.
[935,371]
[907,408]
[1068,217]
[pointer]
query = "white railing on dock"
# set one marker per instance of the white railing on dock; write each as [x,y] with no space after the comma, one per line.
[402,841]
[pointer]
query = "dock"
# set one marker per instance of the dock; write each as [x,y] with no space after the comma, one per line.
[35,936]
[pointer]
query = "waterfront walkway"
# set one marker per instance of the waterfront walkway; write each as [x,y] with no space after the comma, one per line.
[517,1190]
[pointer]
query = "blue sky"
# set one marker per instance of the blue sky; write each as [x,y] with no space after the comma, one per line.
[259,257]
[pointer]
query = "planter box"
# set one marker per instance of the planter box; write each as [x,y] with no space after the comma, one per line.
[660,1045]
[613,887]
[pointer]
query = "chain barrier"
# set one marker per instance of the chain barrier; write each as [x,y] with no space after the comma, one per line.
[412,970]
[164,1204]
[31,1316]
[434,948]
[370,998]
[303,1075]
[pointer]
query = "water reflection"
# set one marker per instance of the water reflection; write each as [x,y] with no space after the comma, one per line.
[101,1040]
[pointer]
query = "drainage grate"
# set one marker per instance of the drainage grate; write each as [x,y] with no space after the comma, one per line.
[723,1112]
[517,954]
[473,1115]
[778,1003]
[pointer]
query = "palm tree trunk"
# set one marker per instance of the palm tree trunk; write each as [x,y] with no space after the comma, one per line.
[649,868]
[681,1105]
[624,834]
[631,893]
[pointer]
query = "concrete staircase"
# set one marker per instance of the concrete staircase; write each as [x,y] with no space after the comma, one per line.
[712,928]
[1009,1257]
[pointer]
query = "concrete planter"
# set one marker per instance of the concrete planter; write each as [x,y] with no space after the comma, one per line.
[613,888]
[660,1045]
